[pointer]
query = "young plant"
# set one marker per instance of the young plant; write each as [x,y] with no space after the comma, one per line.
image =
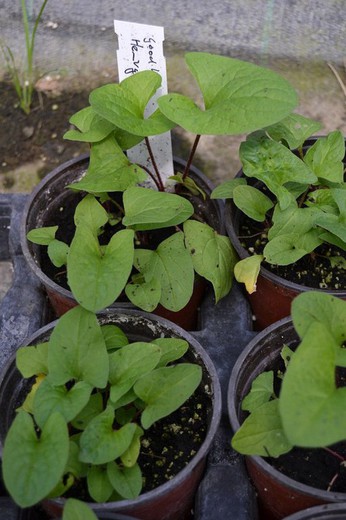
[303,205]
[24,86]
[238,97]
[309,411]
[94,393]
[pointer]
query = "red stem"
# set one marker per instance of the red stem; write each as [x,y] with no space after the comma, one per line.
[192,153]
[159,184]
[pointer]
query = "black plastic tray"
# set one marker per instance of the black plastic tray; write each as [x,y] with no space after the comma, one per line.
[225,329]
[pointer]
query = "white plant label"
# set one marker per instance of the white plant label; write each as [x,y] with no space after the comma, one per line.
[140,47]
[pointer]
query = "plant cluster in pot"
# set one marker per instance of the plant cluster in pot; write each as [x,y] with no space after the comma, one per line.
[286,404]
[286,218]
[151,242]
[117,409]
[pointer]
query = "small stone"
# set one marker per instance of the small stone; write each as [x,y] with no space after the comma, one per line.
[28,131]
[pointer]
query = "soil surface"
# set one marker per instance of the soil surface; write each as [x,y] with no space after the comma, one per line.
[37,137]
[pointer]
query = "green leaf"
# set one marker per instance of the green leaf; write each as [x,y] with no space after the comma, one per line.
[212,255]
[294,130]
[58,252]
[77,350]
[189,184]
[287,249]
[172,265]
[165,389]
[33,466]
[325,157]
[92,127]
[124,104]
[318,307]
[77,510]
[100,443]
[114,337]
[251,96]
[145,295]
[128,364]
[149,209]
[171,349]
[225,190]
[275,165]
[292,220]
[126,481]
[99,486]
[129,458]
[262,433]
[74,466]
[109,169]
[97,276]
[247,271]
[90,212]
[252,202]
[42,236]
[32,360]
[93,408]
[262,389]
[311,406]
[69,403]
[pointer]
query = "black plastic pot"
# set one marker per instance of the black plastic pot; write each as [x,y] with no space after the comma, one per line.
[174,499]
[52,193]
[278,495]
[325,512]
[273,296]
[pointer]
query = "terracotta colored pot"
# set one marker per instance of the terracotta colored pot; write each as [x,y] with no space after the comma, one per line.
[273,296]
[51,194]
[278,495]
[172,500]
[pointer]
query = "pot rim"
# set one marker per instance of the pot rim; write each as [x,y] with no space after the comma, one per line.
[265,467]
[44,186]
[314,513]
[122,315]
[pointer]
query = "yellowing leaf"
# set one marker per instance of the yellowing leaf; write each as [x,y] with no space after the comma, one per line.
[247,270]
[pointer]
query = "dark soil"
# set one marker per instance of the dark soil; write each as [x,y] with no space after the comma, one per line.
[39,135]
[313,270]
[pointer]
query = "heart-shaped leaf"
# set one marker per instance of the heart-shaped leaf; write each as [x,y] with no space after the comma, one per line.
[172,265]
[90,212]
[250,96]
[312,408]
[128,364]
[32,466]
[69,403]
[100,443]
[262,433]
[294,130]
[32,361]
[149,209]
[109,169]
[126,481]
[262,389]
[77,350]
[212,255]
[91,127]
[124,104]
[165,389]
[97,276]
[42,236]
[287,249]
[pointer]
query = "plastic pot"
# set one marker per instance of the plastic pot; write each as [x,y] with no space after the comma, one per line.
[325,512]
[51,194]
[174,499]
[273,296]
[278,495]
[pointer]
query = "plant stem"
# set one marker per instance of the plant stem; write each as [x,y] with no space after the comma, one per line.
[192,153]
[152,158]
[159,186]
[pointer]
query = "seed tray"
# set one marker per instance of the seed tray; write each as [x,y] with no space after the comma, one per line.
[225,491]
